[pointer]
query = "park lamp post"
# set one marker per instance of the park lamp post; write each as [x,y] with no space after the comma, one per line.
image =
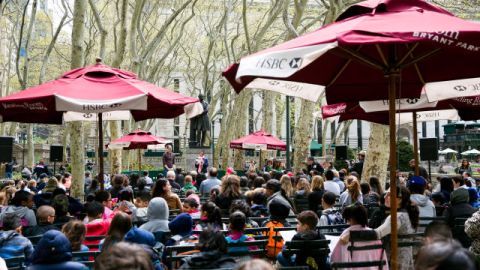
[218,116]
[23,140]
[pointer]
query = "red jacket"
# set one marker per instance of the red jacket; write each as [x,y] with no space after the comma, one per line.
[96,229]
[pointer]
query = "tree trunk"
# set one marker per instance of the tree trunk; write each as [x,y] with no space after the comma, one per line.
[76,128]
[115,126]
[267,110]
[324,137]
[240,117]
[30,158]
[303,134]
[279,112]
[221,146]
[267,121]
[65,139]
[376,159]
[115,155]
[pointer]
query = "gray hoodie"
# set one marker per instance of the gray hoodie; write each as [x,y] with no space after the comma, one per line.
[277,196]
[26,214]
[425,205]
[157,214]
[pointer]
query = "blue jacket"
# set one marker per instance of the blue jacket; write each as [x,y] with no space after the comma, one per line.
[13,244]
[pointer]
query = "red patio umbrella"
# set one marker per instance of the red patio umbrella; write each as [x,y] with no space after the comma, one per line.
[362,57]
[138,139]
[259,140]
[94,89]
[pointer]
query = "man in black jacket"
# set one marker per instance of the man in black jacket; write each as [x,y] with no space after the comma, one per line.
[312,165]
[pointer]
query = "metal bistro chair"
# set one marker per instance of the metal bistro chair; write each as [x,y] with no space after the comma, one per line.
[317,249]
[79,256]
[363,237]
[15,263]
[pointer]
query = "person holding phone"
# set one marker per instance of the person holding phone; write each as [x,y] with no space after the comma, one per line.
[168,159]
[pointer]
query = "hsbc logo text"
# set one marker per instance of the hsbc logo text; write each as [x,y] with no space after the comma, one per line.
[99,107]
[280,63]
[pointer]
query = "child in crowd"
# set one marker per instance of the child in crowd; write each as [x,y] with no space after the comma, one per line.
[12,243]
[210,216]
[190,206]
[105,199]
[236,228]
[189,184]
[212,255]
[121,224]
[95,224]
[357,217]
[307,222]
[181,230]
[330,214]
[21,204]
[141,203]
[242,206]
[259,201]
[75,232]
[278,219]
[157,214]
[125,201]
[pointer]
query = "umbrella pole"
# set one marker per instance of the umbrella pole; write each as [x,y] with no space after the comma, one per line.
[100,152]
[139,161]
[392,77]
[415,143]
[260,160]
[287,128]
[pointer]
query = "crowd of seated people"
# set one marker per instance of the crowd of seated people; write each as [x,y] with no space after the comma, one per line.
[209,221]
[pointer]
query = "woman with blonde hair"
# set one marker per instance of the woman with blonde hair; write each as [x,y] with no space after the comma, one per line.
[230,191]
[353,192]
[303,188]
[315,197]
[286,184]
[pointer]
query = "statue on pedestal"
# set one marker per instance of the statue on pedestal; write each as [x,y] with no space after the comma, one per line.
[199,125]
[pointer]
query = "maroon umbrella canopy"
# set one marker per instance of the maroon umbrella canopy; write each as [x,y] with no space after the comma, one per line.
[138,139]
[349,58]
[259,140]
[94,89]
[466,107]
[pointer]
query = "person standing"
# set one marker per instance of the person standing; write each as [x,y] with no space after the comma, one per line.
[201,163]
[312,165]
[40,168]
[421,170]
[168,159]
[358,166]
[9,168]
